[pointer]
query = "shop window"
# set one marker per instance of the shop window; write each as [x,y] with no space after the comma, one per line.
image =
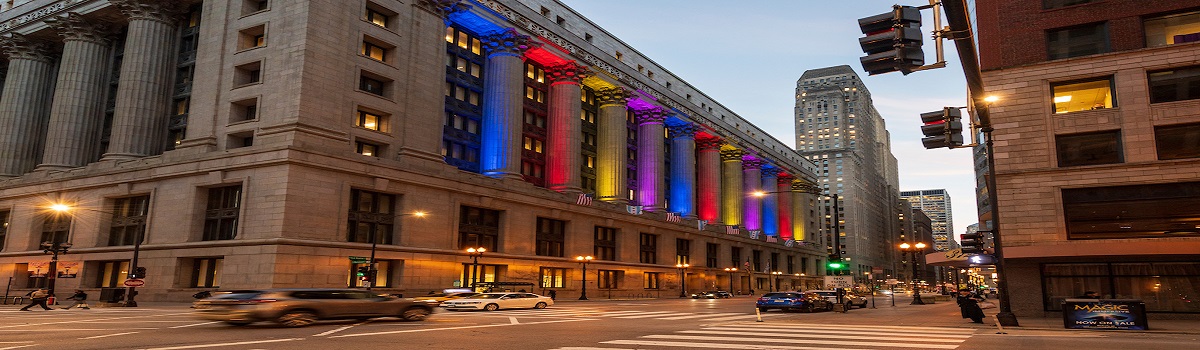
[651,280]
[1178,28]
[1135,211]
[1164,286]
[1177,141]
[383,275]
[608,279]
[112,273]
[553,277]
[1176,84]
[206,272]
[1089,149]
[1083,95]
[1082,40]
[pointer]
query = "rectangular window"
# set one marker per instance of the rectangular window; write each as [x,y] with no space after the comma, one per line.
[608,279]
[1137,211]
[373,51]
[206,272]
[1176,84]
[1089,149]
[486,273]
[376,17]
[128,220]
[370,121]
[710,254]
[113,273]
[56,228]
[648,248]
[774,262]
[605,243]
[791,264]
[1082,40]
[757,257]
[382,275]
[735,254]
[651,280]
[221,213]
[4,220]
[553,277]
[683,251]
[1083,95]
[1146,281]
[1177,141]
[478,227]
[1177,28]
[371,217]
[366,148]
[371,85]
[551,235]
[252,37]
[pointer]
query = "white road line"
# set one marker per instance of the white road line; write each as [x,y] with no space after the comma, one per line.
[720,346]
[734,318]
[725,314]
[72,329]
[195,324]
[906,328]
[513,320]
[225,344]
[91,320]
[649,314]
[322,334]
[590,348]
[807,341]
[16,342]
[757,333]
[17,347]
[835,330]
[451,328]
[107,335]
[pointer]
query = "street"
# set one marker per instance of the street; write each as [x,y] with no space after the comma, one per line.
[569,325]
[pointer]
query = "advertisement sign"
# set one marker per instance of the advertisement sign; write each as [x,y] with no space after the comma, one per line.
[1122,314]
[67,269]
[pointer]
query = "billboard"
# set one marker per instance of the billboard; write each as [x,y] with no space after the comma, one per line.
[1122,314]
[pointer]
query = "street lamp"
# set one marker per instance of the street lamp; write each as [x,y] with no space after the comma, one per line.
[372,271]
[914,249]
[776,278]
[683,279]
[584,260]
[137,272]
[475,253]
[731,270]
[55,248]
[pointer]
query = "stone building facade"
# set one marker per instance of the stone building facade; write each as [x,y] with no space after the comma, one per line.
[279,143]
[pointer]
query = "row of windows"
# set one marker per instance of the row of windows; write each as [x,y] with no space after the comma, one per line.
[1094,38]
[1105,147]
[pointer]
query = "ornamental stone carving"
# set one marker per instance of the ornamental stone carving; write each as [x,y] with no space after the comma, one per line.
[73,27]
[165,11]
[770,172]
[684,130]
[18,46]
[612,96]
[785,180]
[751,163]
[709,144]
[443,8]
[569,72]
[655,115]
[508,42]
[732,154]
[801,185]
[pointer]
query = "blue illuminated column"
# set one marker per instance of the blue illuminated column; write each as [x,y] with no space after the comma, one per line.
[751,182]
[683,169]
[650,170]
[503,93]
[770,206]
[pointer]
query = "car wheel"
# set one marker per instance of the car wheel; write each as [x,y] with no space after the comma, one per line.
[299,318]
[237,323]
[810,308]
[491,307]
[414,314]
[540,306]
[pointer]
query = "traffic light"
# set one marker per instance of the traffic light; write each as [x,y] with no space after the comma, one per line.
[363,272]
[893,41]
[835,265]
[138,272]
[942,128]
[972,243]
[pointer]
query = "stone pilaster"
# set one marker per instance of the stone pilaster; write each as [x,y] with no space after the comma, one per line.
[784,199]
[612,152]
[24,108]
[562,143]
[770,202]
[421,140]
[144,90]
[77,112]
[503,92]
[732,195]
[752,182]
[683,169]
[708,184]
[651,175]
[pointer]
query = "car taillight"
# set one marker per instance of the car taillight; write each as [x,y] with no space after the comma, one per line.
[763,299]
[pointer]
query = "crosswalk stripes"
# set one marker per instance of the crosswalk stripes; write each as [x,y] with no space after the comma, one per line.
[596,313]
[755,336]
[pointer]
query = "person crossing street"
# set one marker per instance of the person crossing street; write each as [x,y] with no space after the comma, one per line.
[80,299]
[38,298]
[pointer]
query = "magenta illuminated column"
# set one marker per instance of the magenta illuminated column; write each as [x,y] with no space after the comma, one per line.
[683,169]
[612,152]
[732,195]
[563,146]
[784,198]
[651,175]
[708,185]
[500,145]
[752,182]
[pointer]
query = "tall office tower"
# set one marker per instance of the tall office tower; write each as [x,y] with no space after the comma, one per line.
[839,130]
[936,204]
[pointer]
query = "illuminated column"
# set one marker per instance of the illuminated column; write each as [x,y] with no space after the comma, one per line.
[784,200]
[683,169]
[612,152]
[751,182]
[503,81]
[770,202]
[563,146]
[800,209]
[650,170]
[139,126]
[732,195]
[708,187]
[25,104]
[78,107]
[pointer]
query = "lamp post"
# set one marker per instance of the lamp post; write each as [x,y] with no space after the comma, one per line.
[584,260]
[372,271]
[475,253]
[914,249]
[54,248]
[730,270]
[682,279]
[137,271]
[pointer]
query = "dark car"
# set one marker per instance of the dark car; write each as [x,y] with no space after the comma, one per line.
[712,294]
[723,294]
[302,307]
[809,302]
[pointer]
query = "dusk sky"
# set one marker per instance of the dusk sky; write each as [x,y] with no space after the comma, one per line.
[747,55]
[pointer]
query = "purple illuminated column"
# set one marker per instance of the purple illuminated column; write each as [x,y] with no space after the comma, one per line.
[25,104]
[708,186]
[683,169]
[752,182]
[503,80]
[562,158]
[651,174]
[612,152]
[732,195]
[770,201]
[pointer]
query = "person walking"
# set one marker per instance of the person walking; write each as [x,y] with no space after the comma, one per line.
[553,294]
[38,297]
[80,299]
[969,305]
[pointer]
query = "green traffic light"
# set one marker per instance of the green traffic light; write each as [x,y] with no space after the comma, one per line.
[835,265]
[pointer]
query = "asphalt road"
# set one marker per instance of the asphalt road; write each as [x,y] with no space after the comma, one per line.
[569,325]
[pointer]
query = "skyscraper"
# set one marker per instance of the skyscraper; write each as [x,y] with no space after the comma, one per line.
[936,204]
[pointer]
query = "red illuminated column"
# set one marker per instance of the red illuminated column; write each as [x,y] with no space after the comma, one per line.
[784,202]
[708,185]
[562,141]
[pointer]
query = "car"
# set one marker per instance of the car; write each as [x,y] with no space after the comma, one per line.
[497,301]
[438,298]
[723,294]
[848,298]
[712,294]
[302,307]
[802,301]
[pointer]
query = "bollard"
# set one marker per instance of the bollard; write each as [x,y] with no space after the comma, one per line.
[758,314]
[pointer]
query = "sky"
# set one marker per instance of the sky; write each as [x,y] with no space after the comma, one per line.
[747,55]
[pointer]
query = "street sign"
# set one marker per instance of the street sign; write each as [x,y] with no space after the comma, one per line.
[359,260]
[876,270]
[892,281]
[955,255]
[832,282]
[134,283]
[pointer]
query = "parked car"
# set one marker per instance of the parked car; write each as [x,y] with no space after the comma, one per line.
[302,307]
[803,301]
[848,298]
[712,294]
[497,301]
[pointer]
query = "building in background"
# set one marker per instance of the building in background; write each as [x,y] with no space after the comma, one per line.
[936,204]
[1097,151]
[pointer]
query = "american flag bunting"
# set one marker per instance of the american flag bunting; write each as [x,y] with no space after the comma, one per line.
[772,239]
[732,230]
[584,199]
[673,217]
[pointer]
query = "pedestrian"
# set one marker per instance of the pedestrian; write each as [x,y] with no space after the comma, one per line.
[751,291]
[80,299]
[553,294]
[969,305]
[37,297]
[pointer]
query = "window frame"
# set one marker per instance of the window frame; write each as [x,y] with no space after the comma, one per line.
[129,213]
[1078,140]
[557,275]
[1184,151]
[550,238]
[1112,92]
[222,221]
[1050,41]
[647,248]
[604,244]
[379,218]
[683,251]
[1177,87]
[210,276]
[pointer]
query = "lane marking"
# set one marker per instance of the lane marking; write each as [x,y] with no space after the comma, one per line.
[107,335]
[17,347]
[322,334]
[649,314]
[720,346]
[71,329]
[513,320]
[734,318]
[91,320]
[194,324]
[773,330]
[721,314]
[809,341]
[826,335]
[452,328]
[906,328]
[225,344]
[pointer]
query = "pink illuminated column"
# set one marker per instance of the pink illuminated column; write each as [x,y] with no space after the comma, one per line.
[612,147]
[708,185]
[752,182]
[784,198]
[651,172]
[563,147]
[732,195]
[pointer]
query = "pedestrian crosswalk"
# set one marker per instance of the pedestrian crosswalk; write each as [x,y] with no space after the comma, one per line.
[776,336]
[600,313]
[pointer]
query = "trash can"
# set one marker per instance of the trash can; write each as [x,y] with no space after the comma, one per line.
[112,295]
